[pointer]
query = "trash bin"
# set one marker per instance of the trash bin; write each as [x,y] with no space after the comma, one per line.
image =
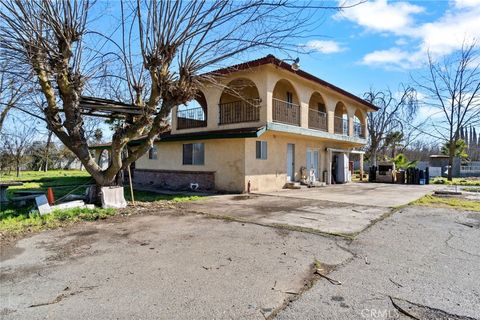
[325,176]
[400,177]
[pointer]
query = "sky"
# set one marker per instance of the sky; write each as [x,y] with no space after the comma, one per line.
[383,43]
[378,44]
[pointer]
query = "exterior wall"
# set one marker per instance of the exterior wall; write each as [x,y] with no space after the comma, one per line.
[213,93]
[271,174]
[266,78]
[224,157]
[174,180]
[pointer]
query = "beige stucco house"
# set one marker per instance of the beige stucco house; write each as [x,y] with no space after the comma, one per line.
[261,125]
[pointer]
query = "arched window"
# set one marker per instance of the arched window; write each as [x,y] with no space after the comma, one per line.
[341,119]
[286,105]
[239,102]
[193,114]
[317,112]
[359,124]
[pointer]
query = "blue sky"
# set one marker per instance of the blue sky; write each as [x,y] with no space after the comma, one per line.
[381,43]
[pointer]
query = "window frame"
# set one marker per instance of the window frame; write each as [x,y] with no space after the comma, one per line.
[153,153]
[261,150]
[196,156]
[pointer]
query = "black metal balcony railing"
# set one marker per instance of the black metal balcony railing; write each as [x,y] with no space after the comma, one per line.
[358,130]
[317,120]
[340,126]
[239,111]
[191,118]
[286,112]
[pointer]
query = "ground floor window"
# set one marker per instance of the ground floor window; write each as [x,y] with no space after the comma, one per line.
[194,153]
[261,147]
[152,153]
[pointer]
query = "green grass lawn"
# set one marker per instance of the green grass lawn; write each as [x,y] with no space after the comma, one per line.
[15,222]
[448,202]
[61,181]
[456,181]
[20,219]
[471,189]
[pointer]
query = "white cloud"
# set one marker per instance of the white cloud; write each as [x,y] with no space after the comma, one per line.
[466,3]
[324,46]
[382,16]
[441,37]
[449,32]
[393,57]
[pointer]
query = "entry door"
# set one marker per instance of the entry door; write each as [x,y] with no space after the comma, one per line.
[290,162]
[312,165]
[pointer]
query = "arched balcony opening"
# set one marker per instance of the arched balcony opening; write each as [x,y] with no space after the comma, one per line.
[193,114]
[239,102]
[359,124]
[286,105]
[317,112]
[341,119]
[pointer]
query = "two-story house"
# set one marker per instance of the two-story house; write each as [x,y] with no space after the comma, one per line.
[261,124]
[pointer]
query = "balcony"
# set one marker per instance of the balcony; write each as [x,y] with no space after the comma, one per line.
[286,112]
[317,120]
[191,118]
[358,130]
[239,111]
[340,126]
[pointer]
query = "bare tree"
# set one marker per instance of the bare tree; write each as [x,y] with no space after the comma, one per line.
[11,91]
[389,121]
[453,86]
[16,143]
[166,48]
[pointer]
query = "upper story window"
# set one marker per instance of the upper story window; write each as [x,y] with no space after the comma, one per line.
[152,153]
[194,154]
[261,150]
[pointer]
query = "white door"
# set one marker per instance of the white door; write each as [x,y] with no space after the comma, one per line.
[290,162]
[342,168]
[312,164]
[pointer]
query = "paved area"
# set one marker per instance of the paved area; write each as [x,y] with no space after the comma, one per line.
[301,213]
[159,267]
[426,256]
[178,265]
[366,194]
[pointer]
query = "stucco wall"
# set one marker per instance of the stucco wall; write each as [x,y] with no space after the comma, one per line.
[266,79]
[225,157]
[271,174]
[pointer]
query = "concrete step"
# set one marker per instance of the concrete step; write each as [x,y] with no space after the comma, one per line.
[292,185]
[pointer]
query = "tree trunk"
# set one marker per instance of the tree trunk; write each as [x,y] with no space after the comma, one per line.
[18,169]
[451,155]
[47,150]
[374,157]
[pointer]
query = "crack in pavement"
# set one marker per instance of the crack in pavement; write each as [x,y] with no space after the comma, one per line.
[422,312]
[450,237]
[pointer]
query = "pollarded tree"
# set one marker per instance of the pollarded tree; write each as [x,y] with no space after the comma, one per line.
[452,85]
[164,48]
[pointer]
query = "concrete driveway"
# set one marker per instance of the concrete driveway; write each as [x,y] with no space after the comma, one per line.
[159,267]
[367,194]
[341,209]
